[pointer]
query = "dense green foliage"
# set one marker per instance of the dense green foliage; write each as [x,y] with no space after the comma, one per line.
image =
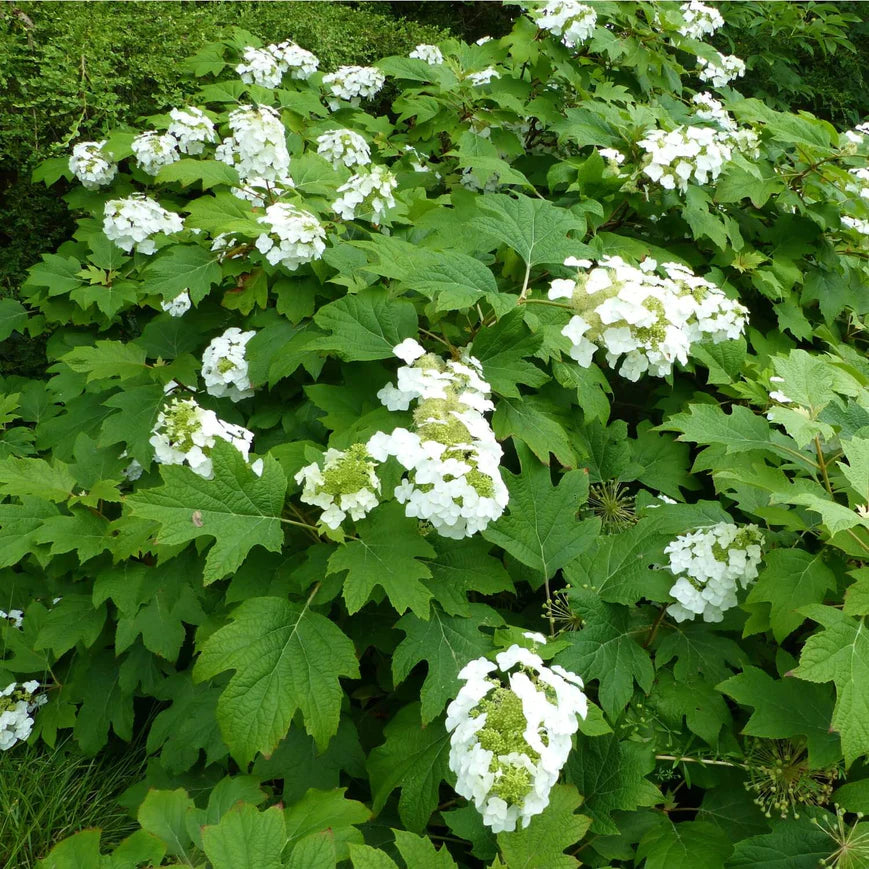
[288,672]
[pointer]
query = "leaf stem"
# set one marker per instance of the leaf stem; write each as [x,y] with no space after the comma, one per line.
[701,760]
[527,301]
[549,608]
[654,629]
[524,292]
[822,464]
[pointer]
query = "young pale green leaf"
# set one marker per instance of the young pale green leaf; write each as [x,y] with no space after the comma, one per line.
[544,841]
[316,851]
[80,849]
[164,814]
[36,478]
[326,811]
[413,758]
[237,508]
[246,838]
[856,597]
[420,851]
[366,857]
[386,554]
[856,451]
[280,651]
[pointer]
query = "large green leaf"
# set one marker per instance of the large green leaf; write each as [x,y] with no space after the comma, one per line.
[182,268]
[686,845]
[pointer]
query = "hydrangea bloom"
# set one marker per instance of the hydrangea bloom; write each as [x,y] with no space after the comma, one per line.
[699,19]
[91,166]
[369,190]
[186,433]
[686,153]
[224,367]
[17,705]
[347,483]
[484,76]
[178,306]
[352,83]
[132,222]
[300,62]
[155,150]
[344,147]
[294,237]
[573,22]
[861,175]
[861,226]
[743,139]
[710,565]
[637,314]
[454,479]
[14,617]
[260,67]
[720,72]
[258,146]
[431,54]
[192,128]
[510,741]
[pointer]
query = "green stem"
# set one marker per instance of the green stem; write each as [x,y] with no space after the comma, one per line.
[524,292]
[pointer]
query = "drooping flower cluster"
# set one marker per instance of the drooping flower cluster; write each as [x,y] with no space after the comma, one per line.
[347,483]
[484,76]
[224,366]
[192,128]
[454,480]
[295,236]
[634,313]
[743,139]
[368,191]
[17,705]
[186,433]
[678,156]
[573,22]
[257,147]
[266,66]
[155,150]
[710,565]
[510,741]
[353,83]
[344,147]
[699,19]
[132,222]
[14,617]
[299,62]
[178,306]
[719,72]
[91,166]
[431,54]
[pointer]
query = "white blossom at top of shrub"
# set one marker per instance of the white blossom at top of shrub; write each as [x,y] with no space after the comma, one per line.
[368,191]
[91,166]
[511,726]
[347,483]
[14,617]
[258,146]
[224,245]
[300,62]
[719,73]
[454,479]
[132,222]
[354,83]
[294,237]
[431,54]
[17,705]
[155,150]
[711,564]
[185,433]
[648,319]
[573,22]
[742,139]
[484,76]
[224,366]
[258,191]
[344,147]
[699,19]
[178,306]
[192,128]
[260,67]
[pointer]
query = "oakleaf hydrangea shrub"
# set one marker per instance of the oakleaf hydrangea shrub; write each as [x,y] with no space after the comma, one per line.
[474,443]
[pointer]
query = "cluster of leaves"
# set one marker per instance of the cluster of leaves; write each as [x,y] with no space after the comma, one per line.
[293,682]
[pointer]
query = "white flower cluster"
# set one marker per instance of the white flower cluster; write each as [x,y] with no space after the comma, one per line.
[699,19]
[299,62]
[178,306]
[509,742]
[192,128]
[431,54]
[266,66]
[14,617]
[294,237]
[720,72]
[155,150]
[347,483]
[573,22]
[132,222]
[861,175]
[258,146]
[352,83]
[484,76]
[224,366]
[17,705]
[686,153]
[186,432]
[452,456]
[650,320]
[91,166]
[743,139]
[861,226]
[710,564]
[369,190]
[344,147]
